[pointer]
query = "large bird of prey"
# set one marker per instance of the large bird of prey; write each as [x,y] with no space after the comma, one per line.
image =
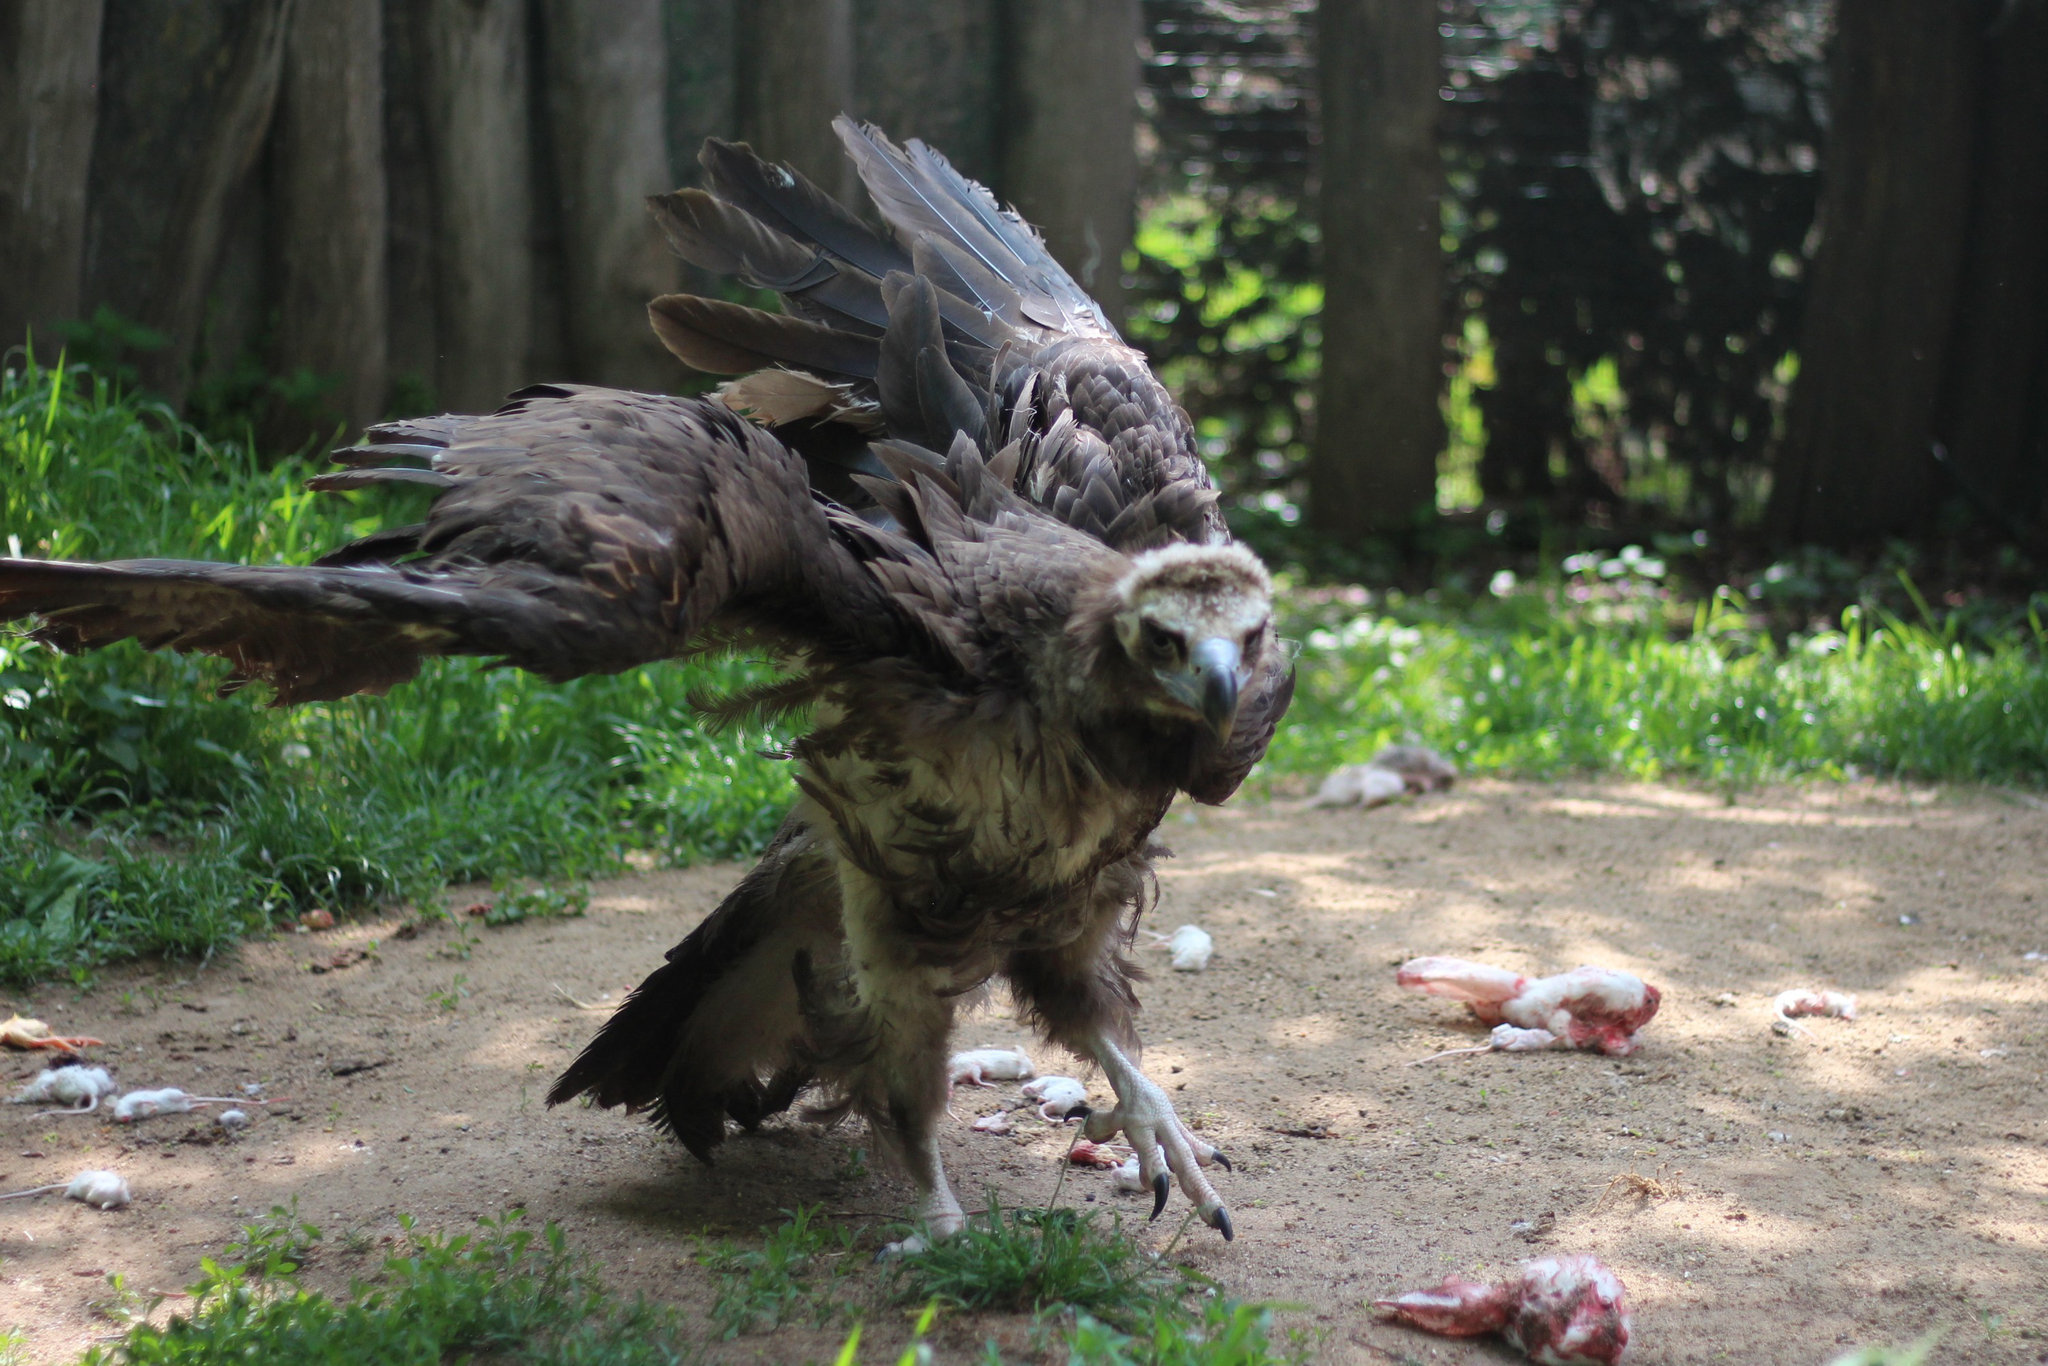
[973,527]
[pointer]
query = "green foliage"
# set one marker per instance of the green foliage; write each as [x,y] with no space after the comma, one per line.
[1227,309]
[1035,1260]
[509,906]
[503,1294]
[794,1277]
[1915,1354]
[1541,684]
[1226,1333]
[211,818]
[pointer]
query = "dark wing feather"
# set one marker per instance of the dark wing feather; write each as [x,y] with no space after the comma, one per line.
[732,339]
[780,197]
[996,337]
[922,196]
[580,531]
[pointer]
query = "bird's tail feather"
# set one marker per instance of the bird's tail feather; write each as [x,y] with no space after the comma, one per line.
[719,1031]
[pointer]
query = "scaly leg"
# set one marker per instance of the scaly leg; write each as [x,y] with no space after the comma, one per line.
[1145,1116]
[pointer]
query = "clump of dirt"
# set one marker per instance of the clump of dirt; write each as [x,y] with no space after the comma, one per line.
[1766,1198]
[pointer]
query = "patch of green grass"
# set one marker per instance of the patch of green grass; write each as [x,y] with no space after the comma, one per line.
[1539,685]
[501,1294]
[1224,1333]
[795,1276]
[139,814]
[1034,1261]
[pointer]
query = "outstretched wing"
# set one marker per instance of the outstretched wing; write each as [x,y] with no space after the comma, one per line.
[956,321]
[577,531]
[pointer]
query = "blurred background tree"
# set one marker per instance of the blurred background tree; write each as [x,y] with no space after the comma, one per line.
[1492,274]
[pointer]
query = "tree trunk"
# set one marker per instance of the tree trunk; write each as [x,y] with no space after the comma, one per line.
[704,53]
[606,73]
[1378,426]
[927,69]
[796,76]
[49,106]
[474,59]
[1856,462]
[1069,133]
[331,212]
[1995,406]
[232,138]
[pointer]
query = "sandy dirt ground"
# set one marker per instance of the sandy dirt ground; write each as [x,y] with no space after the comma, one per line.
[1878,1179]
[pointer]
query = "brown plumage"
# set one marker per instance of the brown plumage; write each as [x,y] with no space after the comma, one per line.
[976,530]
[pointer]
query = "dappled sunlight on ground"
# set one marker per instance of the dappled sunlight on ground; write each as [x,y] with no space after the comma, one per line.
[1766,1197]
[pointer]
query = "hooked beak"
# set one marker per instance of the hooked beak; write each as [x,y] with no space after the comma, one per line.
[1209,684]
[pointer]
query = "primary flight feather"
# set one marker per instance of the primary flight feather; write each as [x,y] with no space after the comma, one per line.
[970,523]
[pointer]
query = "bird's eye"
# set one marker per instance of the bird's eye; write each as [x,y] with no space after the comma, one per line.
[1159,641]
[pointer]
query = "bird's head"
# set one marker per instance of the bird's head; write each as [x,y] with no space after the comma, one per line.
[1196,621]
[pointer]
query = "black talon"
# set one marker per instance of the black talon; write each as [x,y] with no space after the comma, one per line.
[1216,1155]
[1222,1224]
[1159,1188]
[1078,1112]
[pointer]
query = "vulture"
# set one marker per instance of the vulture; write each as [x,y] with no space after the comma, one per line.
[975,531]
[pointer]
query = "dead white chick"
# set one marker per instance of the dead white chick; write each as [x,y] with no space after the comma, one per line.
[1128,1177]
[1366,785]
[1560,1311]
[1800,1001]
[169,1101]
[76,1090]
[101,1189]
[1191,948]
[1058,1097]
[987,1066]
[1587,1007]
[1420,768]
[997,1123]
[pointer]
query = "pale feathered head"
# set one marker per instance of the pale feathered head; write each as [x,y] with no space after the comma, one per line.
[1198,620]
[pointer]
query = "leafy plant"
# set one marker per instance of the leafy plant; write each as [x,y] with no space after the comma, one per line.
[1226,1333]
[502,1293]
[1034,1260]
[509,907]
[793,1276]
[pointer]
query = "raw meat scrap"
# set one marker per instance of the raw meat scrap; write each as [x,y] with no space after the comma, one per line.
[1560,1311]
[18,1031]
[1587,1007]
[1839,1004]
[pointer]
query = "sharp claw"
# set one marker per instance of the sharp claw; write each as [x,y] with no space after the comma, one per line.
[1216,1154]
[1221,1223]
[1159,1189]
[1080,1112]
